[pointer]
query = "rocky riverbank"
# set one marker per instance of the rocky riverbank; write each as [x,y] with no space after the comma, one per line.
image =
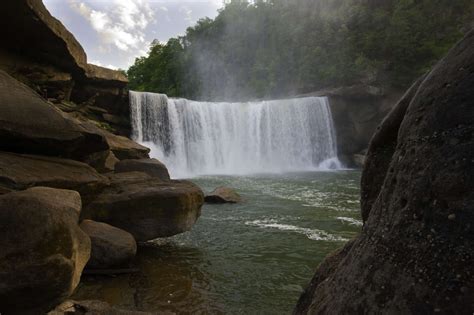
[74,193]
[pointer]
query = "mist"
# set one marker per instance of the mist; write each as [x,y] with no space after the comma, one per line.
[277,48]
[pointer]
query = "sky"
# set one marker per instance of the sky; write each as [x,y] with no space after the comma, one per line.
[114,32]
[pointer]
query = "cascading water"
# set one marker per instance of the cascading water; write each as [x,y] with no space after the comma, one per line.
[196,138]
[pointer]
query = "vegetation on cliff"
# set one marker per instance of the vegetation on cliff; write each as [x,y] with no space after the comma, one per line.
[279,47]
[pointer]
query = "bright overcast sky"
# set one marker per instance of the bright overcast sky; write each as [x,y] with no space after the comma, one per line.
[115,32]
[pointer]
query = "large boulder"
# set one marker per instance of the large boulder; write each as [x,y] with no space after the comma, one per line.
[43,249]
[111,247]
[19,171]
[152,167]
[415,253]
[147,207]
[28,124]
[223,195]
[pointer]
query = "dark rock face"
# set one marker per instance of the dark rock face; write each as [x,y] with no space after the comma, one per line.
[111,247]
[23,171]
[147,207]
[415,253]
[152,167]
[357,111]
[356,116]
[28,124]
[382,147]
[223,195]
[43,249]
[39,51]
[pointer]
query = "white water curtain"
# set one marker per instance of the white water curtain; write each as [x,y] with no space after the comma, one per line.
[196,138]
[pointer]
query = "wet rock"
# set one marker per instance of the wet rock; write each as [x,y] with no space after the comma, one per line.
[152,167]
[28,124]
[19,171]
[359,160]
[223,195]
[111,247]
[147,207]
[43,249]
[92,307]
[421,177]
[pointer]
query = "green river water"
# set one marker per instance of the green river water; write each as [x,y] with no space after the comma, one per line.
[249,258]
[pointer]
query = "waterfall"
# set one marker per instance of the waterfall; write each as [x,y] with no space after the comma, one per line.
[196,138]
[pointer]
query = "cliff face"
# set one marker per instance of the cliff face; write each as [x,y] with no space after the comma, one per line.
[357,111]
[39,51]
[414,255]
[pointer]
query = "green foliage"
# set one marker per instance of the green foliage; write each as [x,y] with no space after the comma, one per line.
[279,47]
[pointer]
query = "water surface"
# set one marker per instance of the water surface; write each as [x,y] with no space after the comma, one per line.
[253,258]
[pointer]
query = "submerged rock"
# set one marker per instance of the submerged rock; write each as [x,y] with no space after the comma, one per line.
[91,307]
[111,247]
[152,167]
[223,195]
[147,207]
[43,250]
[413,256]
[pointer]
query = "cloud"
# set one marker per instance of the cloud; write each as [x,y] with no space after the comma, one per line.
[120,23]
[187,13]
[100,64]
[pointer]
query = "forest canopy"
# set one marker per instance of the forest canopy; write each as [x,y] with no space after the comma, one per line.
[280,48]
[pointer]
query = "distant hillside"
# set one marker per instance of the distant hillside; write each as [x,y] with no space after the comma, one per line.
[277,48]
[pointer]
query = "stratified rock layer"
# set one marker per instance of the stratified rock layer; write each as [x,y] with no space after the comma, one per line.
[38,50]
[43,251]
[28,124]
[19,171]
[415,253]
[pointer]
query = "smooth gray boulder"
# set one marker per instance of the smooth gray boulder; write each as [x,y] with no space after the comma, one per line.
[43,250]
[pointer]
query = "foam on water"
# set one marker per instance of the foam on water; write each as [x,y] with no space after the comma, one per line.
[312,234]
[350,221]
